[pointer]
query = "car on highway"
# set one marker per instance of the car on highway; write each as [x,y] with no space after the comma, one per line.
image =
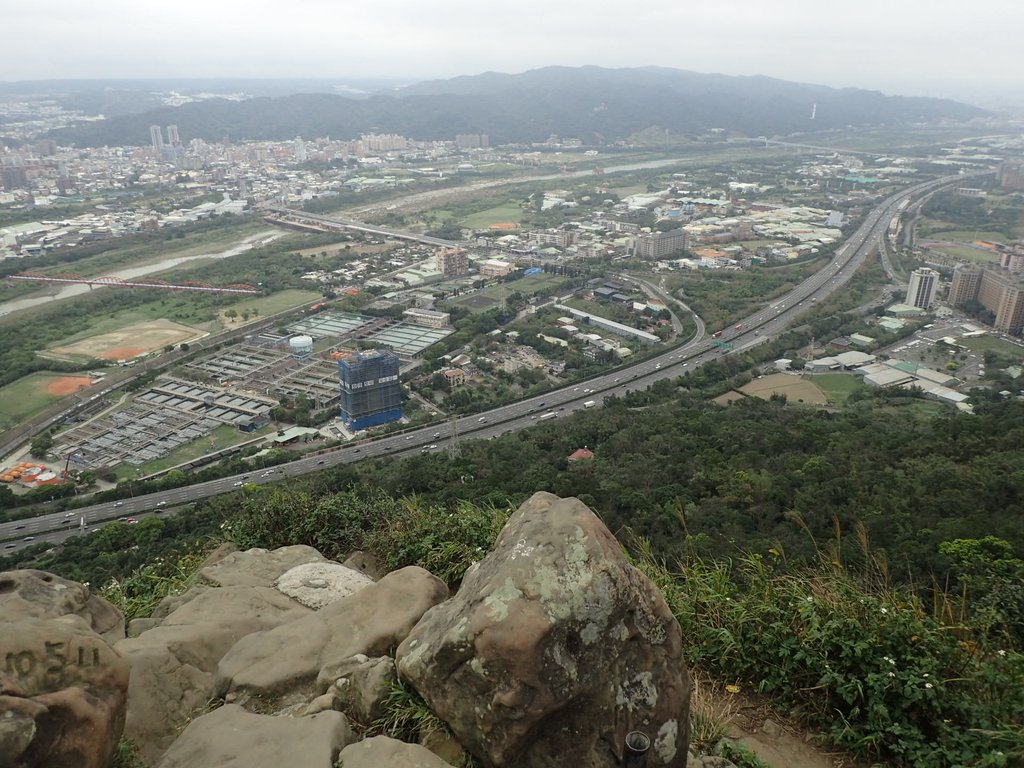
[131,521]
[29,538]
[118,503]
[9,546]
[237,484]
[161,503]
[320,462]
[18,527]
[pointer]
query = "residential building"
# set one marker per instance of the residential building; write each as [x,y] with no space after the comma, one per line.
[431,318]
[1011,175]
[472,141]
[156,137]
[658,245]
[452,262]
[495,268]
[924,282]
[964,287]
[371,393]
[998,290]
[455,377]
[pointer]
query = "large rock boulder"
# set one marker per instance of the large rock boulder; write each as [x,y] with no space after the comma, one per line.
[384,752]
[231,737]
[37,594]
[362,686]
[62,694]
[317,585]
[173,663]
[314,649]
[554,648]
[258,567]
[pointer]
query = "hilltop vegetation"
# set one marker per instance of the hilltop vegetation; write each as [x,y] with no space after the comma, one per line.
[593,104]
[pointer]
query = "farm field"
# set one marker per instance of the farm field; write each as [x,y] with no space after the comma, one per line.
[837,386]
[796,389]
[30,394]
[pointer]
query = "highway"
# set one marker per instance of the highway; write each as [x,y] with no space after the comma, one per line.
[764,324]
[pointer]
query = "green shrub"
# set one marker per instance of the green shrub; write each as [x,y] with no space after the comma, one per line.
[866,665]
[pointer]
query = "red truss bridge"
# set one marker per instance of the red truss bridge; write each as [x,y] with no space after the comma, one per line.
[153,282]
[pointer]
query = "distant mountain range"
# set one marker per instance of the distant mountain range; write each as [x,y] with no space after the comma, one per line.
[593,104]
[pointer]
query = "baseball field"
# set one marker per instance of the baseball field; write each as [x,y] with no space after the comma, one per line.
[30,394]
[126,343]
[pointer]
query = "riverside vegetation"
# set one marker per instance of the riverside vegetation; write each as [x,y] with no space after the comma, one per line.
[861,568]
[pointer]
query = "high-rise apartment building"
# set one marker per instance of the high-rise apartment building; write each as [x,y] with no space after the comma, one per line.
[452,262]
[300,150]
[172,135]
[964,287]
[658,245]
[371,393]
[156,136]
[924,283]
[996,289]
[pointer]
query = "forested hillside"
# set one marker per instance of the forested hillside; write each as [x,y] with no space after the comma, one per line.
[862,567]
[593,104]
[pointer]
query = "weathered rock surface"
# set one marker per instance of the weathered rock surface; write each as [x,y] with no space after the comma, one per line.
[37,594]
[258,567]
[231,737]
[553,649]
[62,693]
[373,622]
[173,663]
[317,585]
[365,563]
[384,752]
[362,685]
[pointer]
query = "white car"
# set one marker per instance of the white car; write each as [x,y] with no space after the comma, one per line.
[237,484]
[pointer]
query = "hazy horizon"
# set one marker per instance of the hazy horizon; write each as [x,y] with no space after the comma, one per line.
[914,48]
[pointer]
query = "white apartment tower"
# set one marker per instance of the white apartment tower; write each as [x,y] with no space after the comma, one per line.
[156,135]
[300,150]
[924,282]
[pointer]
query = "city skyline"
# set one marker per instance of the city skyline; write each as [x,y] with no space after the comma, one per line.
[911,48]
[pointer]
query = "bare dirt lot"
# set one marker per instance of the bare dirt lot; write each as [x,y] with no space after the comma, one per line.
[795,389]
[66,385]
[129,342]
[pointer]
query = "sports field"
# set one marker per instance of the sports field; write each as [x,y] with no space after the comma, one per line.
[128,342]
[795,389]
[991,344]
[30,394]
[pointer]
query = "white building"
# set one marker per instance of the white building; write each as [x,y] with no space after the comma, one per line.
[924,282]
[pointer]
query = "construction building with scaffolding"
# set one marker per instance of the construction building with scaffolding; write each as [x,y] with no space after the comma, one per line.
[371,393]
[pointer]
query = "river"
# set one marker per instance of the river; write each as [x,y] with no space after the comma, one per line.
[129,273]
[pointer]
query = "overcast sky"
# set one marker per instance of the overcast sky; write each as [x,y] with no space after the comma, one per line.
[914,47]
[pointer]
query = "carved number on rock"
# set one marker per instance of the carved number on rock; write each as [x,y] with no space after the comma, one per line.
[21,664]
[24,663]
